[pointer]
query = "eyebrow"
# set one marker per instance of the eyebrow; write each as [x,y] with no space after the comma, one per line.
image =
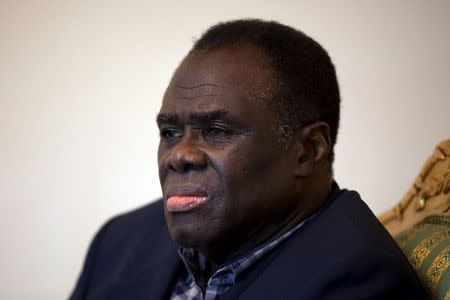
[198,117]
[166,118]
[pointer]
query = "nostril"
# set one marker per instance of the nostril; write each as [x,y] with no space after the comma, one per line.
[185,157]
[169,165]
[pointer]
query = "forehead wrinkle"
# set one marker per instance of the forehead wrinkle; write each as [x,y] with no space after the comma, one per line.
[202,90]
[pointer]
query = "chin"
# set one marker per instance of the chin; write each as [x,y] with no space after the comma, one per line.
[183,238]
[188,235]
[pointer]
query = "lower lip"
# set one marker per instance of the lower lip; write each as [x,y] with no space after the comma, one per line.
[184,203]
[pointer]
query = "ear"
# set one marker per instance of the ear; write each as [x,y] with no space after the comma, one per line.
[313,147]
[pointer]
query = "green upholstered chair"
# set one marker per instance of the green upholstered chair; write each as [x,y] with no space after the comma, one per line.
[420,223]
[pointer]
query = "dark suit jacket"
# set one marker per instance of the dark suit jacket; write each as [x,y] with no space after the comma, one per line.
[343,253]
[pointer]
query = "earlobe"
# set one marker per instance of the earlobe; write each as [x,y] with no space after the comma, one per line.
[313,146]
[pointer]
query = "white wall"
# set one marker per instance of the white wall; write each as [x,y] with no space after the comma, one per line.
[81,83]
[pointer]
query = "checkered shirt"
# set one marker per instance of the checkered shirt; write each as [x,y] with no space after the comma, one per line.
[187,289]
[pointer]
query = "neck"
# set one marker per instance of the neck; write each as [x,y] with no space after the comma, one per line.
[311,195]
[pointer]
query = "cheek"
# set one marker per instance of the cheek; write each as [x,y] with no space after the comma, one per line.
[161,158]
[242,170]
[252,178]
[253,162]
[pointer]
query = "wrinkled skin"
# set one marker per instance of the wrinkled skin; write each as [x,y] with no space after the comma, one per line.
[218,141]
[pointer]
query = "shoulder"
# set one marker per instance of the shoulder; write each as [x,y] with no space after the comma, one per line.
[351,234]
[342,253]
[123,233]
[349,220]
[123,245]
[138,221]
[348,224]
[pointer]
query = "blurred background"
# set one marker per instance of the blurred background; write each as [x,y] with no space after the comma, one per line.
[81,83]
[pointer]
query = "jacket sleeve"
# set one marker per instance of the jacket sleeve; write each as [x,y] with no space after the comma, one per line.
[82,287]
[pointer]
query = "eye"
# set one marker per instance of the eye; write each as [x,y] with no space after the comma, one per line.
[216,131]
[170,133]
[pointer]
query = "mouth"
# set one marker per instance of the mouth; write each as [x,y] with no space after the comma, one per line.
[185,197]
[183,203]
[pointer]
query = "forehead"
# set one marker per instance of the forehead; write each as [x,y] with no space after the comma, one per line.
[230,76]
[234,65]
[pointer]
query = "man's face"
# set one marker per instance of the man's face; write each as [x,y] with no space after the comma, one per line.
[225,178]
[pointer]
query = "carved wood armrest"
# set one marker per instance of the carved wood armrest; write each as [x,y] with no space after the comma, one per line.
[429,195]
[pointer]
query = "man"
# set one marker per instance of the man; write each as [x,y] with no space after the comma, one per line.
[250,209]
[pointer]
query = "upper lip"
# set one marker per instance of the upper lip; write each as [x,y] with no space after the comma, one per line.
[186,190]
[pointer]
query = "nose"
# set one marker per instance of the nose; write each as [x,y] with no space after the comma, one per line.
[186,156]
